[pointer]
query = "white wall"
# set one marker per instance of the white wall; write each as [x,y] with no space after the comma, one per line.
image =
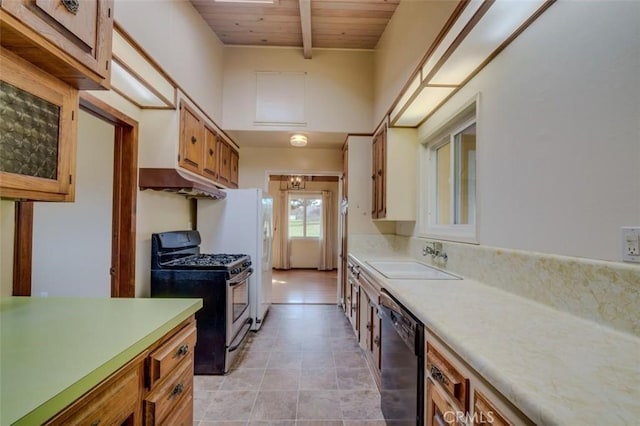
[559,133]
[408,35]
[7,226]
[177,37]
[255,162]
[359,188]
[338,92]
[72,241]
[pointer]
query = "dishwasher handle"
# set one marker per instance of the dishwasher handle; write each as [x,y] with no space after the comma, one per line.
[401,320]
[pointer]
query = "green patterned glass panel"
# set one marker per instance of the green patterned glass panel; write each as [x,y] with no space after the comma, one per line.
[29,128]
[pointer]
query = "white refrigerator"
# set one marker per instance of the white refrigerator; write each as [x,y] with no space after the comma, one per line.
[242,223]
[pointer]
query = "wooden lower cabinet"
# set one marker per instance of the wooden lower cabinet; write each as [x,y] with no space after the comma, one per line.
[439,410]
[486,413]
[114,402]
[457,395]
[155,388]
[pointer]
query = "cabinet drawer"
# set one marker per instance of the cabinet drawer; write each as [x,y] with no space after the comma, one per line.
[170,393]
[166,357]
[485,413]
[110,403]
[182,415]
[442,371]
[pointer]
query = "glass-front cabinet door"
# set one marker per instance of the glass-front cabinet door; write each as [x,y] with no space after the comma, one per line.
[37,133]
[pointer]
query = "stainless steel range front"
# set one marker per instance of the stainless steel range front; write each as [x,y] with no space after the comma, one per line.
[178,269]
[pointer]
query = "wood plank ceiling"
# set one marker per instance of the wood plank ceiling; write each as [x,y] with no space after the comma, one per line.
[346,24]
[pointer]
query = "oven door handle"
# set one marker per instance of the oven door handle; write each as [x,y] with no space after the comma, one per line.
[241,278]
[247,323]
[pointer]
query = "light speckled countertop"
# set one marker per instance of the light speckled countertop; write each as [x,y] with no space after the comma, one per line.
[53,350]
[555,367]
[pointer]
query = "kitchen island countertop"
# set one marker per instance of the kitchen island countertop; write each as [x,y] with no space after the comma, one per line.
[53,350]
[555,367]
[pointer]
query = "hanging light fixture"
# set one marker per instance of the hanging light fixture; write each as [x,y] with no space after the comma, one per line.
[297,182]
[298,140]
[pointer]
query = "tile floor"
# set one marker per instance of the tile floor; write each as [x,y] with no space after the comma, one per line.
[304,367]
[304,286]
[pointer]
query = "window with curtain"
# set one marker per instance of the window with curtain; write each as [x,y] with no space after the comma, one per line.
[305,216]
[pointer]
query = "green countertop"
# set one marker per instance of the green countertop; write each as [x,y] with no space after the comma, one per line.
[53,350]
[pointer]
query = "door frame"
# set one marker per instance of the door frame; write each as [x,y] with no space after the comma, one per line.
[125,193]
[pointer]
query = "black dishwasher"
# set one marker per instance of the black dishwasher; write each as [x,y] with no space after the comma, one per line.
[402,364]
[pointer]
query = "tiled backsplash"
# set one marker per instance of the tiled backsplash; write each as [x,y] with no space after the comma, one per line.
[604,292]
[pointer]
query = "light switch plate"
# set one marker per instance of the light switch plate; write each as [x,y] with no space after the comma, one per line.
[630,243]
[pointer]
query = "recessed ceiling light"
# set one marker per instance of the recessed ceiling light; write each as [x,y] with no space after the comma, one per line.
[298,140]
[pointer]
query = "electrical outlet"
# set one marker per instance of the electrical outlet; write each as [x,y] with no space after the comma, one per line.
[631,244]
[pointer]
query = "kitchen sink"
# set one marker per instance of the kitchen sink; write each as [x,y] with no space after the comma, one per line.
[410,270]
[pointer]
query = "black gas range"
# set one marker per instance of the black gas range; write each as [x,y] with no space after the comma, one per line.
[178,269]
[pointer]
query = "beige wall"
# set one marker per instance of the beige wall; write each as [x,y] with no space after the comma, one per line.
[7,226]
[72,241]
[338,92]
[403,44]
[256,162]
[177,37]
[558,133]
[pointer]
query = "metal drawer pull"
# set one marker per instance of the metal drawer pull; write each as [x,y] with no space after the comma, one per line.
[95,423]
[182,350]
[177,390]
[438,376]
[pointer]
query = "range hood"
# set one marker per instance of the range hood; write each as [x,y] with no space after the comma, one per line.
[179,182]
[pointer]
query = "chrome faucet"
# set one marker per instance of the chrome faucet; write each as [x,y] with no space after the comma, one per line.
[435,250]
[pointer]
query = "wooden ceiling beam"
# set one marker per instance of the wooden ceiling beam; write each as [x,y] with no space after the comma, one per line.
[305,20]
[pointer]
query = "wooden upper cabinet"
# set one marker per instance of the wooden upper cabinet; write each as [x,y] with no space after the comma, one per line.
[379,171]
[192,139]
[211,161]
[235,159]
[394,174]
[203,151]
[345,172]
[224,175]
[69,39]
[37,133]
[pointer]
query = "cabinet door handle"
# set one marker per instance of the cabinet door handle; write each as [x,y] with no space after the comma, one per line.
[376,340]
[72,6]
[368,325]
[211,152]
[194,139]
[379,172]
[182,350]
[438,376]
[177,390]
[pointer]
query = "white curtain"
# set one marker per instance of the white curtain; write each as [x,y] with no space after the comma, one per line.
[281,232]
[327,242]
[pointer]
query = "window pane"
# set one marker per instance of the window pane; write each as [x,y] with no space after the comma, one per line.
[465,143]
[296,217]
[443,185]
[314,216]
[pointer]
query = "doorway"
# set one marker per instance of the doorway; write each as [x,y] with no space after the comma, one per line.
[306,243]
[121,253]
